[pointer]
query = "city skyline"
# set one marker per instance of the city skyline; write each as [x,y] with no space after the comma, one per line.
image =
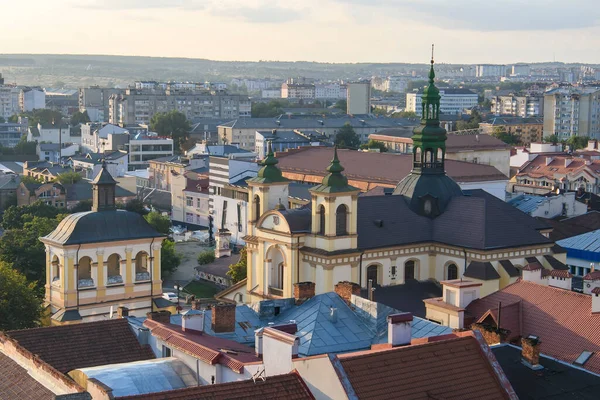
[336,31]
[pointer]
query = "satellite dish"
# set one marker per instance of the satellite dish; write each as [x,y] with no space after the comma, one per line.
[110,315]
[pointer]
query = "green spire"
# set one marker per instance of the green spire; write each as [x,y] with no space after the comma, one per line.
[269,173]
[429,137]
[334,181]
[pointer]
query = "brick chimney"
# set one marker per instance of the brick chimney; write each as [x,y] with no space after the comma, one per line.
[122,312]
[196,305]
[531,352]
[192,321]
[223,318]
[346,289]
[303,291]
[164,317]
[399,329]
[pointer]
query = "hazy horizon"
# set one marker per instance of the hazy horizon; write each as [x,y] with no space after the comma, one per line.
[327,31]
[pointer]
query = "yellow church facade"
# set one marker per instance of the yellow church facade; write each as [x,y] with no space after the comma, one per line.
[101,260]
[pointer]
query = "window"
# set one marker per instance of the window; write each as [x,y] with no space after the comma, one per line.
[341,216]
[409,270]
[113,266]
[393,271]
[452,272]
[256,208]
[321,220]
[224,215]
[166,352]
[239,217]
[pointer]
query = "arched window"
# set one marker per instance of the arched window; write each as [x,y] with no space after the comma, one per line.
[372,274]
[256,207]
[141,266]
[113,269]
[341,223]
[418,155]
[452,272]
[321,220]
[55,269]
[409,270]
[84,270]
[440,155]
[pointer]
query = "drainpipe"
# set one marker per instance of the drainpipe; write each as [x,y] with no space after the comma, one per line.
[360,269]
[151,276]
[464,270]
[77,275]
[298,261]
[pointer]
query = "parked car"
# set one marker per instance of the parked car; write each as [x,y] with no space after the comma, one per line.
[170,296]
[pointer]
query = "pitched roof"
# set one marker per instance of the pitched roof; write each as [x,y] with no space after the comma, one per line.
[565,228]
[490,223]
[382,168]
[16,383]
[556,381]
[89,344]
[484,271]
[585,246]
[510,269]
[280,387]
[454,368]
[556,167]
[561,318]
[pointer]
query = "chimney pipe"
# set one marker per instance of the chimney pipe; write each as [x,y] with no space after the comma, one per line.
[122,312]
[530,352]
[164,317]
[192,321]
[333,316]
[303,291]
[346,289]
[400,329]
[223,317]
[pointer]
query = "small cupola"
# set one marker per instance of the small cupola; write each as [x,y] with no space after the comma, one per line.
[103,190]
[334,181]
[269,173]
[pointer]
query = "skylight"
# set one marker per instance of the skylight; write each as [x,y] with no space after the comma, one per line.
[583,357]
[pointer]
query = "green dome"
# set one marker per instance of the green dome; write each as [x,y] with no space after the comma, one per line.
[269,173]
[334,181]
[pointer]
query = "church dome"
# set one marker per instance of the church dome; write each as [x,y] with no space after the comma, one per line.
[96,227]
[428,195]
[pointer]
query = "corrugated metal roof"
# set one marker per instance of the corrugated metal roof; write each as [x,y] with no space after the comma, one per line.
[586,246]
[527,203]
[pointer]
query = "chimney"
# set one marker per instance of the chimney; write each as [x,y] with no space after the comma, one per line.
[223,317]
[596,300]
[568,162]
[400,329]
[192,321]
[164,317]
[258,342]
[303,291]
[122,312]
[279,349]
[346,289]
[530,353]
[196,305]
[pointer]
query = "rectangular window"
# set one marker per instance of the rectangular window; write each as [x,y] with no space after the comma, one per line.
[239,217]
[224,215]
[166,352]
[189,201]
[393,271]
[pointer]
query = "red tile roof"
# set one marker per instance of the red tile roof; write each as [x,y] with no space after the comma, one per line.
[556,167]
[16,383]
[280,387]
[509,318]
[560,273]
[83,345]
[376,168]
[596,290]
[561,318]
[592,276]
[455,368]
[210,349]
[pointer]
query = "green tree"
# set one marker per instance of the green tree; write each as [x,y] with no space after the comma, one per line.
[16,217]
[43,116]
[206,257]
[378,111]
[239,270]
[169,259]
[418,84]
[472,123]
[22,247]
[374,144]
[31,179]
[80,118]
[341,104]
[13,118]
[172,124]
[501,133]
[2,120]
[68,177]
[159,222]
[24,147]
[267,110]
[20,304]
[346,138]
[551,139]
[577,142]
[82,206]
[137,206]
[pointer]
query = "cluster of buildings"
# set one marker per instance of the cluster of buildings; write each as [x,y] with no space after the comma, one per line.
[468,286]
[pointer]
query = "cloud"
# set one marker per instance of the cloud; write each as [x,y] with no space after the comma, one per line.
[261,14]
[143,4]
[508,15]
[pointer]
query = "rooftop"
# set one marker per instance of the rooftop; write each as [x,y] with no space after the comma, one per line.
[568,227]
[70,347]
[450,367]
[17,383]
[376,168]
[561,318]
[556,381]
[585,246]
[280,387]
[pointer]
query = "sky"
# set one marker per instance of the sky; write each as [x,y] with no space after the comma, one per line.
[464,31]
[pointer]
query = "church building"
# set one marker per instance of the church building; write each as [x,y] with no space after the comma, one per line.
[99,260]
[428,228]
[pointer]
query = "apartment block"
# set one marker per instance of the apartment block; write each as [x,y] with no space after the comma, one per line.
[95,100]
[518,106]
[490,71]
[359,98]
[31,99]
[453,101]
[572,111]
[9,101]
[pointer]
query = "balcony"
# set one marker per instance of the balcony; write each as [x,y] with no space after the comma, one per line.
[85,283]
[142,276]
[114,280]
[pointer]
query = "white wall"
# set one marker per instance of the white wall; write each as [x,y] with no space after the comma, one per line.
[495,188]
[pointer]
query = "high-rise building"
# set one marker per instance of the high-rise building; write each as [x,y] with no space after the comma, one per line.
[572,112]
[454,101]
[490,71]
[95,100]
[32,99]
[9,101]
[520,70]
[359,98]
[518,106]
